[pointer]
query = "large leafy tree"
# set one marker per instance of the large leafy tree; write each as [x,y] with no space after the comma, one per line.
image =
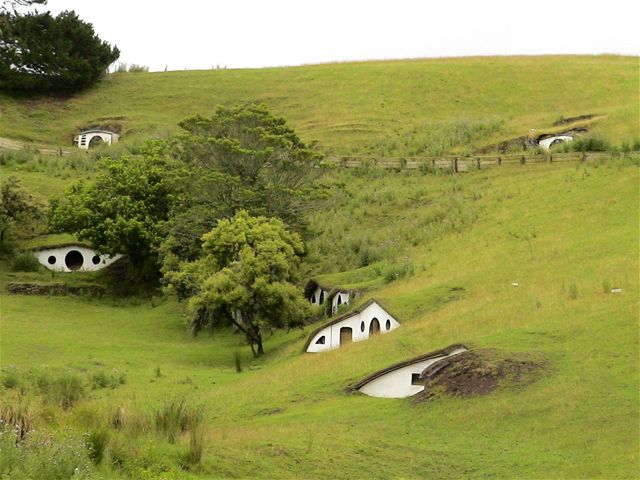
[245,278]
[121,211]
[44,53]
[242,157]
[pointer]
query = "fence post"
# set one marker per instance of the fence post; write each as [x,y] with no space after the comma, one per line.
[550,158]
[478,163]
[499,161]
[522,160]
[455,165]
[583,158]
[433,163]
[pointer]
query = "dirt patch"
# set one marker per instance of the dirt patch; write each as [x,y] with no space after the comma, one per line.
[270,411]
[566,121]
[479,372]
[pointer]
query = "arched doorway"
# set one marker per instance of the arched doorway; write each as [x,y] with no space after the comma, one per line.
[73,260]
[374,327]
[346,335]
[95,141]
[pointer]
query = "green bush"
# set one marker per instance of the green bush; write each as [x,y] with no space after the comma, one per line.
[591,143]
[25,262]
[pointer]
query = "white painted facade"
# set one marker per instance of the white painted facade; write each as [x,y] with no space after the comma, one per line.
[339,300]
[399,383]
[547,142]
[74,258]
[84,139]
[318,296]
[359,323]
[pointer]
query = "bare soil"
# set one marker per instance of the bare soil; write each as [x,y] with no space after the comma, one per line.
[479,372]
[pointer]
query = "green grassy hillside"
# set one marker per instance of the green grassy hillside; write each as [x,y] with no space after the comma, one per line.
[288,415]
[385,108]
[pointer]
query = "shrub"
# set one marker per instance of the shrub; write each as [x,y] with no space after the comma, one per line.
[590,143]
[25,262]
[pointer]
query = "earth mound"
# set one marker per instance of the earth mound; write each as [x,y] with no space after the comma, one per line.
[478,372]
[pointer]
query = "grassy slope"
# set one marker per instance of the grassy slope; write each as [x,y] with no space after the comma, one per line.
[580,420]
[351,107]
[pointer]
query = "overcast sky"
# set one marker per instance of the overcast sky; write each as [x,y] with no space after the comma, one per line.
[200,34]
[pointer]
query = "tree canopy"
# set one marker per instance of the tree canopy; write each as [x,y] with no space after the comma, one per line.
[242,157]
[43,53]
[120,212]
[244,278]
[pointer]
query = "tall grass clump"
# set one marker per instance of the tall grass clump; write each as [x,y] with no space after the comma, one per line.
[18,417]
[96,443]
[192,457]
[177,416]
[64,390]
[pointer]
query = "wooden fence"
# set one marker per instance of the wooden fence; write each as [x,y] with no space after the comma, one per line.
[465,164]
[452,163]
[7,144]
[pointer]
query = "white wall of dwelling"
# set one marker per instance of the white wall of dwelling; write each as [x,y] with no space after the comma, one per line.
[84,139]
[340,299]
[74,258]
[359,324]
[317,295]
[546,143]
[397,383]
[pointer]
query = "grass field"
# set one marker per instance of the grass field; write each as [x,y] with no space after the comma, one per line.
[383,108]
[287,415]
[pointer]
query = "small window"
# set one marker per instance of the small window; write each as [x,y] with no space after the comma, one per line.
[339,300]
[387,326]
[51,259]
[415,379]
[313,299]
[96,259]
[362,326]
[321,301]
[321,340]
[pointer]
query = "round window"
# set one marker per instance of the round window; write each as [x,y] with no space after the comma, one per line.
[96,259]
[362,326]
[387,325]
[73,260]
[51,259]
